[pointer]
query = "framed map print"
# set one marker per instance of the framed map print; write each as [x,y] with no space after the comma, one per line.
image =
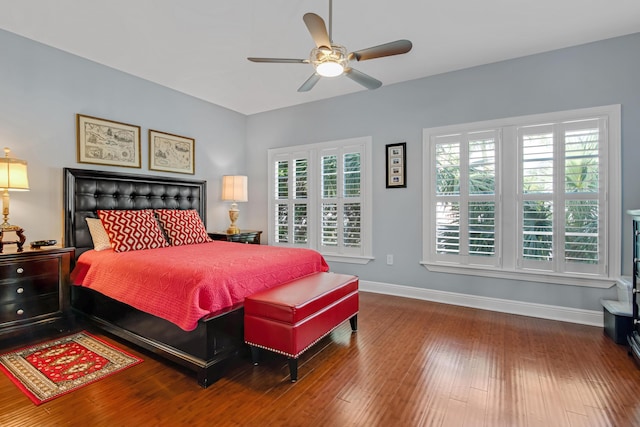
[105,142]
[171,153]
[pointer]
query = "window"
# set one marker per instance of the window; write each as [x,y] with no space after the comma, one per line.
[321,198]
[533,198]
[465,197]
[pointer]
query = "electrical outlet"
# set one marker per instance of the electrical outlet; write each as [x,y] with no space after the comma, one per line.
[389,259]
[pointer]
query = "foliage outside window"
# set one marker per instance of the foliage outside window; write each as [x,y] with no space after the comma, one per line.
[536,195]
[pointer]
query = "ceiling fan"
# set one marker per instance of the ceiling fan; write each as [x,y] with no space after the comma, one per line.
[332,60]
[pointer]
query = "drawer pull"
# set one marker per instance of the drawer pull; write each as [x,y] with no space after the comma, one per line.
[19,290]
[20,312]
[20,270]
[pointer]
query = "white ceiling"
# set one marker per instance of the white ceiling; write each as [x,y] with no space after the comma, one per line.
[199,47]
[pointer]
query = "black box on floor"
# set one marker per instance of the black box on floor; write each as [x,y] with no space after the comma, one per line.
[617,325]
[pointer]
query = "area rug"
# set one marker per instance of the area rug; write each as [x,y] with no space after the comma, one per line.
[54,368]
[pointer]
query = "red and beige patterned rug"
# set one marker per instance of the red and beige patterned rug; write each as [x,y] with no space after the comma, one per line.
[54,368]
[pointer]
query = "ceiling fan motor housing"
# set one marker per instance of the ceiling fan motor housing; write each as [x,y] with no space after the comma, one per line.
[329,62]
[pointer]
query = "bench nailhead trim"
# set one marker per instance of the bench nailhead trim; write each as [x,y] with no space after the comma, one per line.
[304,349]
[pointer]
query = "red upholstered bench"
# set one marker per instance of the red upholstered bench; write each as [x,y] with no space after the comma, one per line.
[290,318]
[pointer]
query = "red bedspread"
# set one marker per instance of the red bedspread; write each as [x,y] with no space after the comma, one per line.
[184,283]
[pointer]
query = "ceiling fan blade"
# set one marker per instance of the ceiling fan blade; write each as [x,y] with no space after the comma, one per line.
[388,49]
[318,30]
[363,79]
[279,60]
[310,83]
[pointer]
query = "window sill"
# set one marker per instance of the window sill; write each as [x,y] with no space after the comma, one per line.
[348,259]
[575,279]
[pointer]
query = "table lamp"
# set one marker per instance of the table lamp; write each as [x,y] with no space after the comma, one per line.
[234,189]
[13,177]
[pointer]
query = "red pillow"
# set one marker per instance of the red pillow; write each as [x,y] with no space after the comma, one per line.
[183,227]
[132,230]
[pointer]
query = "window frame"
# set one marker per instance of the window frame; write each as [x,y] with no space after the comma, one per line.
[509,265]
[314,153]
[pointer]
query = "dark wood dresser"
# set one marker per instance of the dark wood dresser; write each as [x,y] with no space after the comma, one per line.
[245,236]
[634,337]
[34,291]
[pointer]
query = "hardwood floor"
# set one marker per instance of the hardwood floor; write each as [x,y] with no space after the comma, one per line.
[412,363]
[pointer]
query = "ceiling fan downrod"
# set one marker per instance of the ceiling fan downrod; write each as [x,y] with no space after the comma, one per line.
[331,21]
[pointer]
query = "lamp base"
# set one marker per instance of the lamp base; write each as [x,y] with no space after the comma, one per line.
[233,216]
[19,236]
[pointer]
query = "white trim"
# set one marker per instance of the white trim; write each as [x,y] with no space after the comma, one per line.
[347,259]
[614,198]
[613,110]
[542,311]
[574,279]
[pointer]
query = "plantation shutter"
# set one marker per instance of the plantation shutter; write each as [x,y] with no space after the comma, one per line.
[465,195]
[584,228]
[536,208]
[291,199]
[525,198]
[321,198]
[341,200]
[562,198]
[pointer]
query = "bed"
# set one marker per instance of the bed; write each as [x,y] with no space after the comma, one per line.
[215,339]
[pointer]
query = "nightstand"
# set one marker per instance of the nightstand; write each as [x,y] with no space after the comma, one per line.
[245,236]
[34,291]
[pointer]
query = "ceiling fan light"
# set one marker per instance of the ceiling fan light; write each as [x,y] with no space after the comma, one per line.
[329,62]
[329,69]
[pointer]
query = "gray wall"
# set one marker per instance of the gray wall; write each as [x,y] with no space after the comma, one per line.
[42,89]
[591,75]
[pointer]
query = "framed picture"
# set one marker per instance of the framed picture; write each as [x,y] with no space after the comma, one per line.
[105,142]
[171,153]
[397,165]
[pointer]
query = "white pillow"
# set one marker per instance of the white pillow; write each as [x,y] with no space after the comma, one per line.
[98,234]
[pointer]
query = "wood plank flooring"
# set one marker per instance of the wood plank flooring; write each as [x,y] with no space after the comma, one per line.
[412,363]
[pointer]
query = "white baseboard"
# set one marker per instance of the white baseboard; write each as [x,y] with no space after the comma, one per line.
[543,311]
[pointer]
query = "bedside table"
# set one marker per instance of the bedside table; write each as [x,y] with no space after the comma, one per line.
[245,236]
[34,290]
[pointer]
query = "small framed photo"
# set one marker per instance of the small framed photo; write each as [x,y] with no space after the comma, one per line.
[397,165]
[171,153]
[105,142]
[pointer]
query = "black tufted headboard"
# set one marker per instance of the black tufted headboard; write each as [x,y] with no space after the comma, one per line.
[86,191]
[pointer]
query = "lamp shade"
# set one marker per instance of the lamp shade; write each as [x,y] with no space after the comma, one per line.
[234,188]
[13,173]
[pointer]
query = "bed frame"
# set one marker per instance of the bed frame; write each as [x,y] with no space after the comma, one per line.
[217,339]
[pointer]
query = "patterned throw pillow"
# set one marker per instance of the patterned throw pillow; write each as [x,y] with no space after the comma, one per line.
[98,234]
[183,227]
[132,230]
